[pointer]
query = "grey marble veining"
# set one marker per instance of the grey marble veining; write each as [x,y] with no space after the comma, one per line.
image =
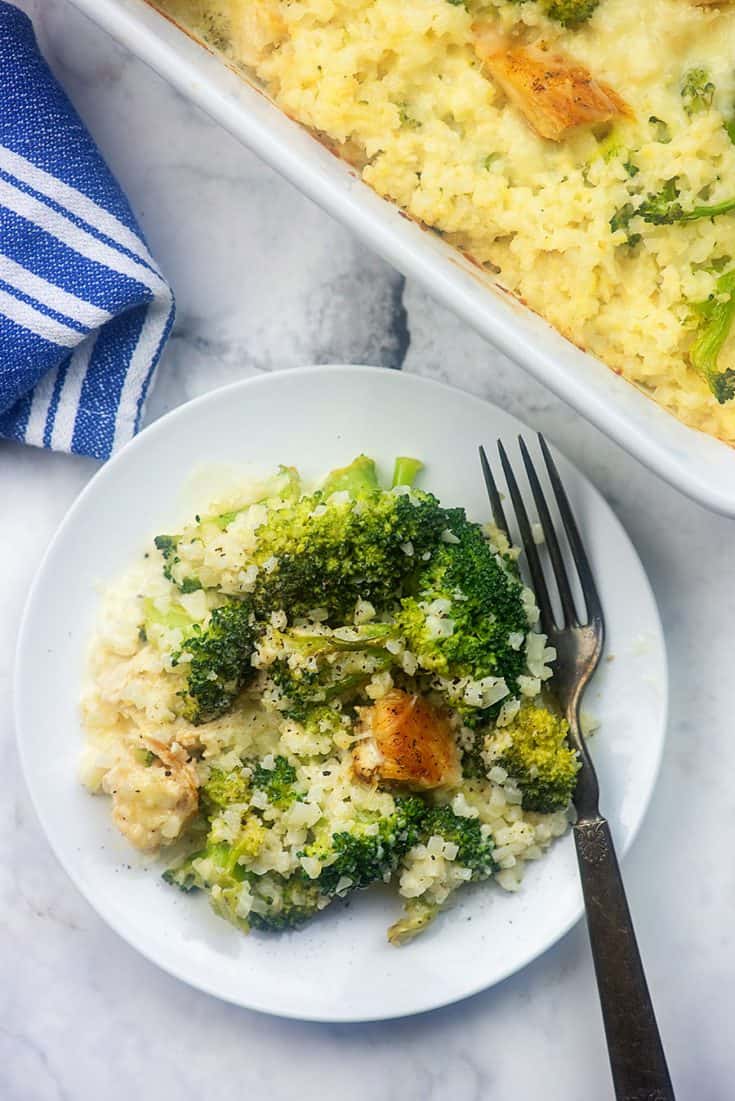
[265,280]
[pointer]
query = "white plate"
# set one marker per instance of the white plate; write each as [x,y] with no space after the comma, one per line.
[696,464]
[340,968]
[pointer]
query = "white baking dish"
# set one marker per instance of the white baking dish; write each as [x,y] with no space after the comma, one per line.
[698,465]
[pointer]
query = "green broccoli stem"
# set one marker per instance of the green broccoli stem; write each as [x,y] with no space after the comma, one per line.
[405,471]
[570,13]
[664,208]
[174,617]
[301,694]
[697,91]
[358,479]
[368,638]
[713,210]
[356,680]
[419,914]
[717,320]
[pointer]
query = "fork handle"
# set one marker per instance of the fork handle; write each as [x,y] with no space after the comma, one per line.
[634,1045]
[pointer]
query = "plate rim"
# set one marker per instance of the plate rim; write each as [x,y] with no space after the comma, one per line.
[108,915]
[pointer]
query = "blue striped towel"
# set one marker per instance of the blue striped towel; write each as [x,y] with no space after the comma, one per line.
[84,309]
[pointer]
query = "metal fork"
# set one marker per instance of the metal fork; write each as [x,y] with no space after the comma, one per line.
[636,1053]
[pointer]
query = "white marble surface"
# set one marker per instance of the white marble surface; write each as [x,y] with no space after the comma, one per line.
[265,280]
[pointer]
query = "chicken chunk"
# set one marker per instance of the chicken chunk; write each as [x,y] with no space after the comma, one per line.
[408,741]
[151,803]
[554,93]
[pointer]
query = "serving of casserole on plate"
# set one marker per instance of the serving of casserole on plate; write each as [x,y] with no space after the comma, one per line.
[258,777]
[578,152]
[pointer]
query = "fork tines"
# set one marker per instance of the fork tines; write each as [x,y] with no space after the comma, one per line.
[569,614]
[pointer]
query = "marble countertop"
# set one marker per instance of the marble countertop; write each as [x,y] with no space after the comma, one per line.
[265,280]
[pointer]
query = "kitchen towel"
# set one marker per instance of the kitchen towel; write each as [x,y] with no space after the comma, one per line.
[84,309]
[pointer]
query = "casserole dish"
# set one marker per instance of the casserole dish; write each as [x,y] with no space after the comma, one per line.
[696,464]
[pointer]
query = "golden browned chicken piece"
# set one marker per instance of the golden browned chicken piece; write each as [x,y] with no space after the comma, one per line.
[554,93]
[408,742]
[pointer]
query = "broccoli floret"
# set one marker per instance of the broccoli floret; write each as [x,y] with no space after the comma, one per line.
[621,219]
[661,207]
[222,868]
[286,486]
[570,13]
[359,479]
[474,845]
[282,903]
[322,720]
[318,553]
[278,903]
[612,148]
[168,546]
[697,91]
[473,762]
[303,689]
[216,869]
[277,782]
[729,125]
[534,751]
[466,618]
[474,849]
[144,756]
[368,852]
[352,859]
[219,666]
[223,788]
[362,855]
[299,689]
[183,874]
[175,617]
[715,317]
[662,130]
[664,208]
[329,665]
[418,915]
[190,585]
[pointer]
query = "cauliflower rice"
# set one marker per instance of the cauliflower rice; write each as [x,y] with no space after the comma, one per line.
[400,91]
[156,765]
